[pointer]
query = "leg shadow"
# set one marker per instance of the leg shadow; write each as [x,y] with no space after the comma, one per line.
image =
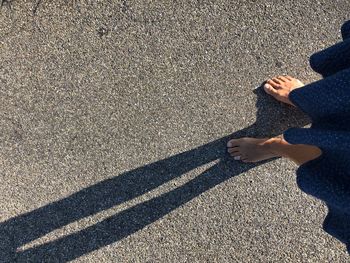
[272,119]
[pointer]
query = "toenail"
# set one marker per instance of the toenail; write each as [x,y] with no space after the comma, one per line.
[267,86]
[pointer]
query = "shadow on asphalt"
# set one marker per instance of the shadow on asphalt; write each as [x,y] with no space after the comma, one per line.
[272,119]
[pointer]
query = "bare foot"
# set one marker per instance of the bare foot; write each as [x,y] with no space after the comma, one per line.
[252,149]
[280,87]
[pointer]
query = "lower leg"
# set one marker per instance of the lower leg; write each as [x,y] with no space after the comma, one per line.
[298,153]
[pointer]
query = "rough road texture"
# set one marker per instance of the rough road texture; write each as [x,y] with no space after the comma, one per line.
[114,117]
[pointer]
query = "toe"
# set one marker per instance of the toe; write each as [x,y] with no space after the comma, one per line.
[282,78]
[233,143]
[270,89]
[232,149]
[276,80]
[245,159]
[274,84]
[234,154]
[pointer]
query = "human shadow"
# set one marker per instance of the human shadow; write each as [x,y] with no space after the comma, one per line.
[272,119]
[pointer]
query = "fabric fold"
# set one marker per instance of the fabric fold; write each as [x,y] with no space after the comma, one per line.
[326,139]
[327,103]
[332,59]
[345,30]
[326,98]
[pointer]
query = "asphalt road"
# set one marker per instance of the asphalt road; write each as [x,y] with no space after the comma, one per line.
[114,117]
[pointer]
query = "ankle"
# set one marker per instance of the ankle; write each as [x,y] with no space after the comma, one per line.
[276,145]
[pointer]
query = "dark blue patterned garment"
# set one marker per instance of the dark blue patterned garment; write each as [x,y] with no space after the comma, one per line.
[327,102]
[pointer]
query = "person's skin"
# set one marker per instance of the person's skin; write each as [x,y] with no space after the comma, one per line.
[255,150]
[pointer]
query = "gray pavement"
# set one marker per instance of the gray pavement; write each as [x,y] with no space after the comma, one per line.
[114,117]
